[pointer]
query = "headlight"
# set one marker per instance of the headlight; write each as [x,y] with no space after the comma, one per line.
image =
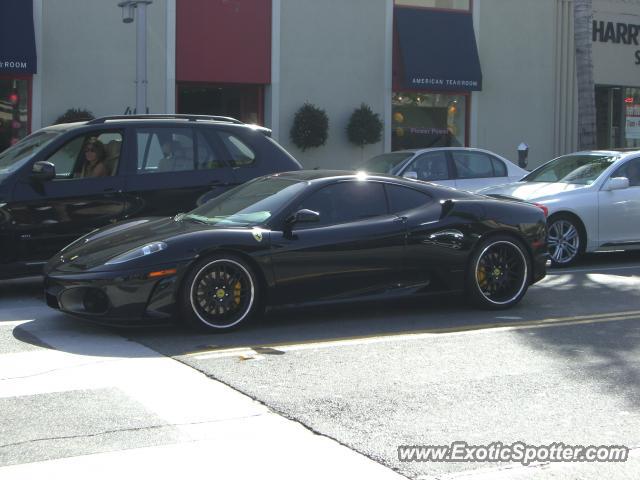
[138,252]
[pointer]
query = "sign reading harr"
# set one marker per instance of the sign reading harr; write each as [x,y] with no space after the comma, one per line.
[618,33]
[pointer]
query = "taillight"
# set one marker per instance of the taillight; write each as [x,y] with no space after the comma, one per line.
[543,208]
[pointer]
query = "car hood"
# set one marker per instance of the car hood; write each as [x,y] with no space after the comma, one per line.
[531,190]
[100,246]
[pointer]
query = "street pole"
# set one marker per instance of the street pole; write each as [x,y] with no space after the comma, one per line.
[129,7]
[141,58]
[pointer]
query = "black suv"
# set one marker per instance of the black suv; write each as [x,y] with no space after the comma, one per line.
[66,180]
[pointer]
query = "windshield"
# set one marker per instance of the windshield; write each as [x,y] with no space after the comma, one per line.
[385,163]
[250,204]
[12,158]
[581,169]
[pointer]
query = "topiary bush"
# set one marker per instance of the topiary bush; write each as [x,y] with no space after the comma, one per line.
[74,115]
[364,127]
[310,127]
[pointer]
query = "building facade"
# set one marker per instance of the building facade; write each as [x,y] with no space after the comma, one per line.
[482,73]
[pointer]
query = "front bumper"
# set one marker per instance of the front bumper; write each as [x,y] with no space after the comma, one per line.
[116,298]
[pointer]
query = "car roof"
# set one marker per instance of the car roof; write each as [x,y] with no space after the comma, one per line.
[162,119]
[329,176]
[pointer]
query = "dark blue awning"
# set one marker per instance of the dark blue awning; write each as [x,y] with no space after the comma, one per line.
[438,50]
[17,39]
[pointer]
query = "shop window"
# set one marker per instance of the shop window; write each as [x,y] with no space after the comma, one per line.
[632,117]
[423,120]
[444,4]
[242,102]
[14,113]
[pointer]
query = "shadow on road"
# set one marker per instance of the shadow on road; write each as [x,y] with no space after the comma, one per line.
[604,352]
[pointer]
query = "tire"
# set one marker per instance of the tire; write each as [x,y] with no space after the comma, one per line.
[565,239]
[219,294]
[499,273]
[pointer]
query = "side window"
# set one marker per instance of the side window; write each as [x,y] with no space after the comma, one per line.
[472,164]
[499,168]
[631,170]
[240,153]
[207,157]
[403,199]
[165,150]
[95,154]
[431,166]
[346,202]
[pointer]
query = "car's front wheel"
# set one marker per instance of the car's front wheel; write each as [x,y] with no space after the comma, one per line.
[220,293]
[499,271]
[565,240]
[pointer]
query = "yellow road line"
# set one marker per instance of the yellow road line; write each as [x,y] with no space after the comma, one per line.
[221,352]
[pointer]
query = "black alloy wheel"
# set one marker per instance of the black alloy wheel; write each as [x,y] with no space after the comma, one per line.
[220,294]
[499,273]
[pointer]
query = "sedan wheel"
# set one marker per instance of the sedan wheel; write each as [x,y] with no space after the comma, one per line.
[564,241]
[219,294]
[500,274]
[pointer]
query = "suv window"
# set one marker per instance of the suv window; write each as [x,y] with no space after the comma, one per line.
[165,150]
[346,202]
[402,199]
[207,157]
[94,154]
[240,153]
[430,166]
[472,164]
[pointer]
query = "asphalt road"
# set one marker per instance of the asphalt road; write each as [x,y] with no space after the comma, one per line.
[563,366]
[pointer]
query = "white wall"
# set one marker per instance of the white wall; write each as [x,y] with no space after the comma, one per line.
[88,58]
[331,55]
[516,48]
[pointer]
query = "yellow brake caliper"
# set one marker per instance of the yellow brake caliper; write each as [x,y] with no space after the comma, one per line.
[236,293]
[481,275]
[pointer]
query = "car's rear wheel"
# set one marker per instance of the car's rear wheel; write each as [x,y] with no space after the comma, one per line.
[220,293]
[498,276]
[565,240]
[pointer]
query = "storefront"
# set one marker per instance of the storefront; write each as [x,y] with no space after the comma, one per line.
[435,69]
[218,70]
[616,58]
[17,65]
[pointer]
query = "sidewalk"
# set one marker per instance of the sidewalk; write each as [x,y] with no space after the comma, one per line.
[95,404]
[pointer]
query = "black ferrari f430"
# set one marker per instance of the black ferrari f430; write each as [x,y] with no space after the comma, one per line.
[298,237]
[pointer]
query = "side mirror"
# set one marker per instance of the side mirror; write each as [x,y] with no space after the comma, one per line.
[303,216]
[616,183]
[43,171]
[410,175]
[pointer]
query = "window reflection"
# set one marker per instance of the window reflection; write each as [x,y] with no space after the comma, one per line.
[423,120]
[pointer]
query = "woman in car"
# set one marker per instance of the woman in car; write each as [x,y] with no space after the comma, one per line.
[94,160]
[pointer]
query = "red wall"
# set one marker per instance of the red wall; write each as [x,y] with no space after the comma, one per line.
[223,41]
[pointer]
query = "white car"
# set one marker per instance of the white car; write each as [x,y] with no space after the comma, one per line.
[593,202]
[464,168]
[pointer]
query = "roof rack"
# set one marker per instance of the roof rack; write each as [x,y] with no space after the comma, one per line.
[191,118]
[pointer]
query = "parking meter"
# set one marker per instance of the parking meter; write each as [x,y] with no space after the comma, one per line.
[523,153]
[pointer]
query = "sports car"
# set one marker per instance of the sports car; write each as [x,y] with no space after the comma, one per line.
[300,237]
